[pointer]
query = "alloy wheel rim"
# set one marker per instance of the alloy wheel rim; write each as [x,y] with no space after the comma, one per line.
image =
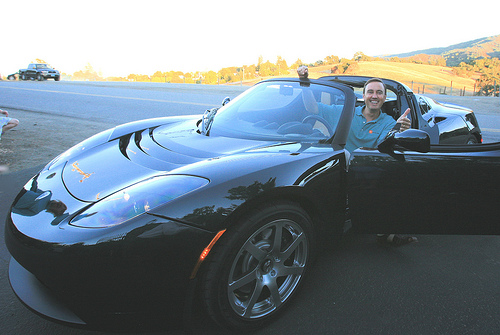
[267,269]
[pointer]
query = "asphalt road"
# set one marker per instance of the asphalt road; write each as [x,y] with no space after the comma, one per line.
[440,285]
[113,101]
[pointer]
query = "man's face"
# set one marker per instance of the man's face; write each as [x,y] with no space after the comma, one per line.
[374,95]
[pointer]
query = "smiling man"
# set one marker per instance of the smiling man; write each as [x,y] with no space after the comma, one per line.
[370,126]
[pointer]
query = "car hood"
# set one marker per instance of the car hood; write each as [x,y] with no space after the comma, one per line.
[444,107]
[116,164]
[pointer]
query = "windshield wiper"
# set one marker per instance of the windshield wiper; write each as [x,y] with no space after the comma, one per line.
[208,117]
[207,120]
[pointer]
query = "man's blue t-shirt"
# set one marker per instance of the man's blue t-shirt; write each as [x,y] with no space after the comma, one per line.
[368,134]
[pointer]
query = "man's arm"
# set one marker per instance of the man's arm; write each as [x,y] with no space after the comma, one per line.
[307,96]
[402,124]
[403,121]
[303,72]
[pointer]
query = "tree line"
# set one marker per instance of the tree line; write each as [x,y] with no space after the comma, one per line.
[486,70]
[225,75]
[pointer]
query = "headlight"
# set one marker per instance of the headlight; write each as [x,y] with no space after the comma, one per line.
[136,200]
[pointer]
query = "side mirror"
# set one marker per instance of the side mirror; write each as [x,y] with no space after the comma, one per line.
[226,101]
[424,106]
[411,139]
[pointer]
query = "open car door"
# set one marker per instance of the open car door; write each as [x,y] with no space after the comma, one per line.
[440,190]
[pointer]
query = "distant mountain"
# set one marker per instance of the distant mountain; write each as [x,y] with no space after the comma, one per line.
[462,52]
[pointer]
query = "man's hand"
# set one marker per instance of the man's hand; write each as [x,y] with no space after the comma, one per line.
[404,121]
[303,72]
[4,112]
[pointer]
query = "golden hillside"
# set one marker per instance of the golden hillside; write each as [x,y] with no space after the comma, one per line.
[435,78]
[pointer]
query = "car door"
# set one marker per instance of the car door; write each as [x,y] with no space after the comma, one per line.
[448,190]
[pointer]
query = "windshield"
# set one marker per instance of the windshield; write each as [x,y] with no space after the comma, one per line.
[42,66]
[281,111]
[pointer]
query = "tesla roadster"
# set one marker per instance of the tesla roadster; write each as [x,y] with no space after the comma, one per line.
[226,211]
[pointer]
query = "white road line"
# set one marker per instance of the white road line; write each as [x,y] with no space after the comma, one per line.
[109,96]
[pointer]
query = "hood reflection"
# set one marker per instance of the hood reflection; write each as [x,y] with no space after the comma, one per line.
[33,201]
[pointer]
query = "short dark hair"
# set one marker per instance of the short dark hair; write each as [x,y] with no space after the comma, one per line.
[375,80]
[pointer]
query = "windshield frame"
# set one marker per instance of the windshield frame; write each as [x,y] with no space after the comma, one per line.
[228,121]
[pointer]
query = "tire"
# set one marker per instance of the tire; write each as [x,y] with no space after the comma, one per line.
[258,266]
[39,77]
[57,78]
[11,77]
[472,140]
[23,77]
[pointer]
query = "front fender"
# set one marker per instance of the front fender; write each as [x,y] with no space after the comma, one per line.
[317,181]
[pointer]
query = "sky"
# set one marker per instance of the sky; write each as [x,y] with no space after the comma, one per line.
[118,38]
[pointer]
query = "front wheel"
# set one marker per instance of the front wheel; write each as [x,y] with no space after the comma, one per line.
[257,266]
[472,140]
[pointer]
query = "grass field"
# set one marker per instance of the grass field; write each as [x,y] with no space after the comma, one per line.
[421,78]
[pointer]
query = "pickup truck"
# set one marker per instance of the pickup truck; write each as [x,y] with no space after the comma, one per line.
[36,71]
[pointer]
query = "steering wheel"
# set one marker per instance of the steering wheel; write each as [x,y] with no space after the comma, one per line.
[311,119]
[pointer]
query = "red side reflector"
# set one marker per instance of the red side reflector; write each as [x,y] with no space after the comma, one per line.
[205,253]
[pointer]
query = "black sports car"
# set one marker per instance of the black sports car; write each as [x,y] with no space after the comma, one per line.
[456,124]
[226,211]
